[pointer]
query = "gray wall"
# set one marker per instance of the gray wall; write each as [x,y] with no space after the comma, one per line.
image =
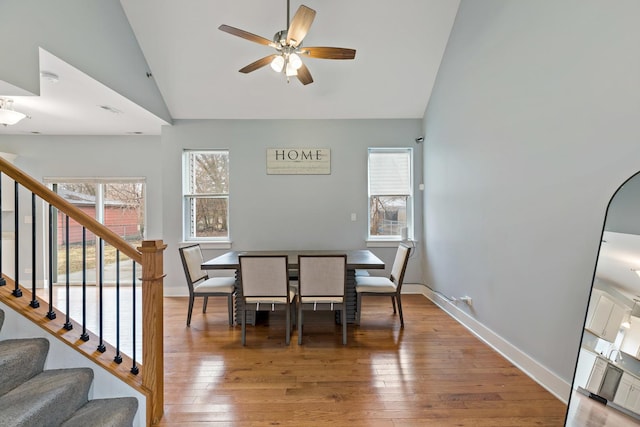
[532,126]
[287,211]
[267,211]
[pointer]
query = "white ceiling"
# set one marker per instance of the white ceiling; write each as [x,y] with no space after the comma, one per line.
[399,47]
[618,259]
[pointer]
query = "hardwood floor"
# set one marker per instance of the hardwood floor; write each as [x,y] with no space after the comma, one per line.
[433,372]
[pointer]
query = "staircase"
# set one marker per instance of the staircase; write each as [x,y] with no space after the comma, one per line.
[31,396]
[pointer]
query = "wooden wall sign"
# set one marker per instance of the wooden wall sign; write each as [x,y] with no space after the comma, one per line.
[298,161]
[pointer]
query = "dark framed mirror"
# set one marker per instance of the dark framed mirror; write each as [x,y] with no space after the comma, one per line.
[606,384]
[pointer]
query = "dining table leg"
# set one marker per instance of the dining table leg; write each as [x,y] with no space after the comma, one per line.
[251,314]
[350,296]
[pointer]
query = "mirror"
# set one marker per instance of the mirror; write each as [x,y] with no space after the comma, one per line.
[606,385]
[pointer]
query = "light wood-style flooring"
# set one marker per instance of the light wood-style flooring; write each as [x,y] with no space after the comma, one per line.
[585,412]
[431,373]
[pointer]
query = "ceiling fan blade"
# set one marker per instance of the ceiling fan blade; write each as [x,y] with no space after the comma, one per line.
[300,25]
[246,35]
[304,75]
[258,64]
[328,52]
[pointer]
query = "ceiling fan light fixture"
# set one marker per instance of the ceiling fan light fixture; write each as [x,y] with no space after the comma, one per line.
[288,43]
[8,116]
[278,63]
[291,71]
[295,61]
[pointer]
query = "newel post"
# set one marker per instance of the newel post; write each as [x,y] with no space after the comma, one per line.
[152,328]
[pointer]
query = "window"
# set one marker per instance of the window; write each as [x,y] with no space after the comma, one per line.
[206,194]
[117,203]
[390,193]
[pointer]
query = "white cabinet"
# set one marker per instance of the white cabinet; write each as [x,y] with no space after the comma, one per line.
[597,373]
[8,186]
[628,394]
[586,359]
[631,342]
[604,316]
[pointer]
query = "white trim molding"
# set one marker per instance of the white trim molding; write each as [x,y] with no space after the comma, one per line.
[539,373]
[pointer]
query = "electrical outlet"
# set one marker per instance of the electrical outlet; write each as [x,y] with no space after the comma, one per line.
[467,300]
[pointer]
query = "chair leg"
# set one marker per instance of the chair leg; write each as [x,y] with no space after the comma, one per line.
[230,308]
[244,326]
[393,301]
[344,325]
[191,298]
[288,332]
[293,314]
[204,304]
[358,308]
[400,310]
[299,320]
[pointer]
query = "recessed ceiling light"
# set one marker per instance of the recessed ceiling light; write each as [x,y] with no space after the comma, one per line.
[49,76]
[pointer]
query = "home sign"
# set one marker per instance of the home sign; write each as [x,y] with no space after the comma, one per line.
[298,161]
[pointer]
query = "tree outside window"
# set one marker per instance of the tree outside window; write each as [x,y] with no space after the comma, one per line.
[206,194]
[390,193]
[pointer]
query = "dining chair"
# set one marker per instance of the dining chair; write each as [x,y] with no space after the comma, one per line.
[385,286]
[322,286]
[264,286]
[201,285]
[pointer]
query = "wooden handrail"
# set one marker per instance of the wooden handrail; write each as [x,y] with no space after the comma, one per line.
[78,215]
[150,256]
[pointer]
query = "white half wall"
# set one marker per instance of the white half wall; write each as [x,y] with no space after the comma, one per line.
[61,356]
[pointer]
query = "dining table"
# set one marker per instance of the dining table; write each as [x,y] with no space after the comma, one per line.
[357,260]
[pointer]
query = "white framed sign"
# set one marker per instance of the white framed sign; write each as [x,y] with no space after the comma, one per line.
[298,161]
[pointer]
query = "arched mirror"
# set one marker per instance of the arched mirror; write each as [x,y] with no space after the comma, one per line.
[606,385]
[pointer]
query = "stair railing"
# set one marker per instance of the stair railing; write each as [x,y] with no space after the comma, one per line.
[146,377]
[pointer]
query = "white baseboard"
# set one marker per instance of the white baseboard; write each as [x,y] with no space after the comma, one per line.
[540,374]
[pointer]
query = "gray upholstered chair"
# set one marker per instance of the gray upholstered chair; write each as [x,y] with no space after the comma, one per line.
[264,286]
[385,286]
[201,285]
[321,286]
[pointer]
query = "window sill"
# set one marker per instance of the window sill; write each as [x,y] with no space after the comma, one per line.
[209,244]
[392,243]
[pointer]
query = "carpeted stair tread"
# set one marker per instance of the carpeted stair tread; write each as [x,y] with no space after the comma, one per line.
[116,412]
[20,360]
[47,399]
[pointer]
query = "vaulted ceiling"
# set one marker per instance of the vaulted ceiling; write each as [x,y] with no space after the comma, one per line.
[399,46]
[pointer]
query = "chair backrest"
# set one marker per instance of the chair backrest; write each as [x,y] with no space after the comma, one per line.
[264,275]
[322,275]
[400,264]
[191,257]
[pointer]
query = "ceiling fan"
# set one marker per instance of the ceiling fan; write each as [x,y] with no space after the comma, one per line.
[288,44]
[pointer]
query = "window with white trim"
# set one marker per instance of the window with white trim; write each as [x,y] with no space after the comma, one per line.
[206,195]
[390,193]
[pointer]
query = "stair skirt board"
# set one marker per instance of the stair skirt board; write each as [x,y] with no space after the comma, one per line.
[33,397]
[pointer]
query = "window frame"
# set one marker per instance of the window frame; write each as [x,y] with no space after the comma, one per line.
[187,234]
[410,196]
[100,206]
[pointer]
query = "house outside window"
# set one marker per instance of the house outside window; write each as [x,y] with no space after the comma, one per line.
[206,195]
[390,193]
[118,203]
